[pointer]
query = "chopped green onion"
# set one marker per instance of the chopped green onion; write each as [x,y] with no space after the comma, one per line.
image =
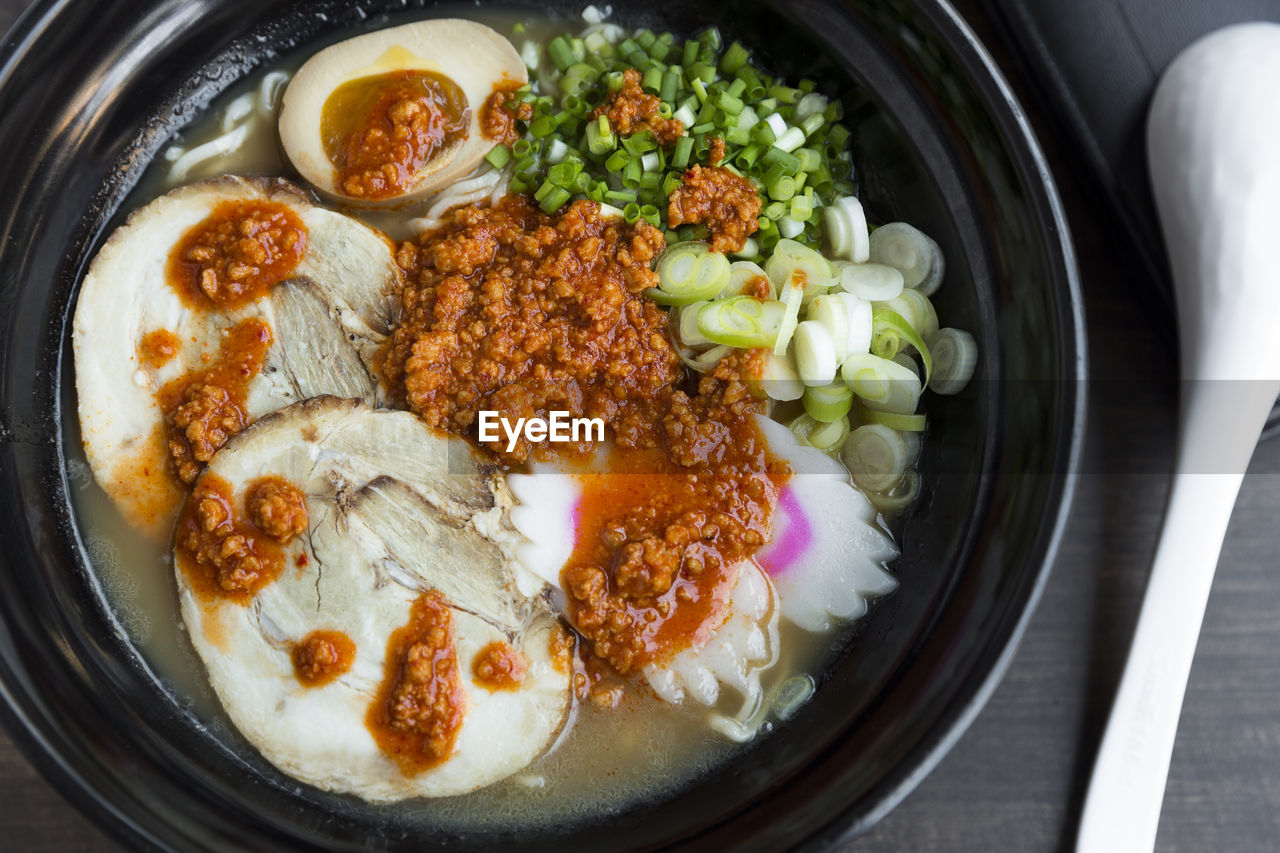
[670,85]
[680,156]
[652,80]
[729,103]
[631,173]
[734,58]
[811,125]
[782,189]
[498,156]
[746,158]
[542,126]
[775,156]
[577,78]
[561,53]
[600,138]
[690,55]
[744,279]
[802,205]
[784,94]
[792,139]
[617,161]
[554,200]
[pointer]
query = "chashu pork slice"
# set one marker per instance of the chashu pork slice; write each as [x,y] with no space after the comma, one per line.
[326,320]
[395,512]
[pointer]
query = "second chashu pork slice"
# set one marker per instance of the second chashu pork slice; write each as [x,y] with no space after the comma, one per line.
[433,673]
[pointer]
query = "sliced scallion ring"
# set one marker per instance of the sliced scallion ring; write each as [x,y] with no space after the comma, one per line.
[955,355]
[873,282]
[828,403]
[890,324]
[779,380]
[747,278]
[831,312]
[827,437]
[846,227]
[687,327]
[792,297]
[704,362]
[902,423]
[877,456]
[741,321]
[900,496]
[815,354]
[910,251]
[861,323]
[689,273]
[907,361]
[712,275]
[792,260]
[882,385]
[914,307]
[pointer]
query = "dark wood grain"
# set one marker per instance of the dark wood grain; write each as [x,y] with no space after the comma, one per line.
[1016,779]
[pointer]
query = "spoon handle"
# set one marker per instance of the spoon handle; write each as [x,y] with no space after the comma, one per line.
[1220,426]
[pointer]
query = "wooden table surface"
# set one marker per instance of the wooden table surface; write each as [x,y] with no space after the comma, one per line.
[1016,780]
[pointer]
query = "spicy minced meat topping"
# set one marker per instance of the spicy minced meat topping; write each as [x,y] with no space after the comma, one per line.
[380,131]
[501,112]
[205,407]
[322,656]
[662,535]
[418,710]
[508,309]
[158,347]
[631,109]
[499,666]
[219,551]
[277,508]
[728,204]
[236,254]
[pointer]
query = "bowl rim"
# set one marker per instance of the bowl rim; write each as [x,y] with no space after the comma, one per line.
[38,744]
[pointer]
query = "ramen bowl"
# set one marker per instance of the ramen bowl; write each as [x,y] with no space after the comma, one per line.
[91,92]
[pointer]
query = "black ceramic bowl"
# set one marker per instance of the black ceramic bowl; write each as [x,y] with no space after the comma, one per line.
[90,90]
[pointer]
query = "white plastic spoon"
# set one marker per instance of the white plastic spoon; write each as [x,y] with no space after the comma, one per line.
[1213,140]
